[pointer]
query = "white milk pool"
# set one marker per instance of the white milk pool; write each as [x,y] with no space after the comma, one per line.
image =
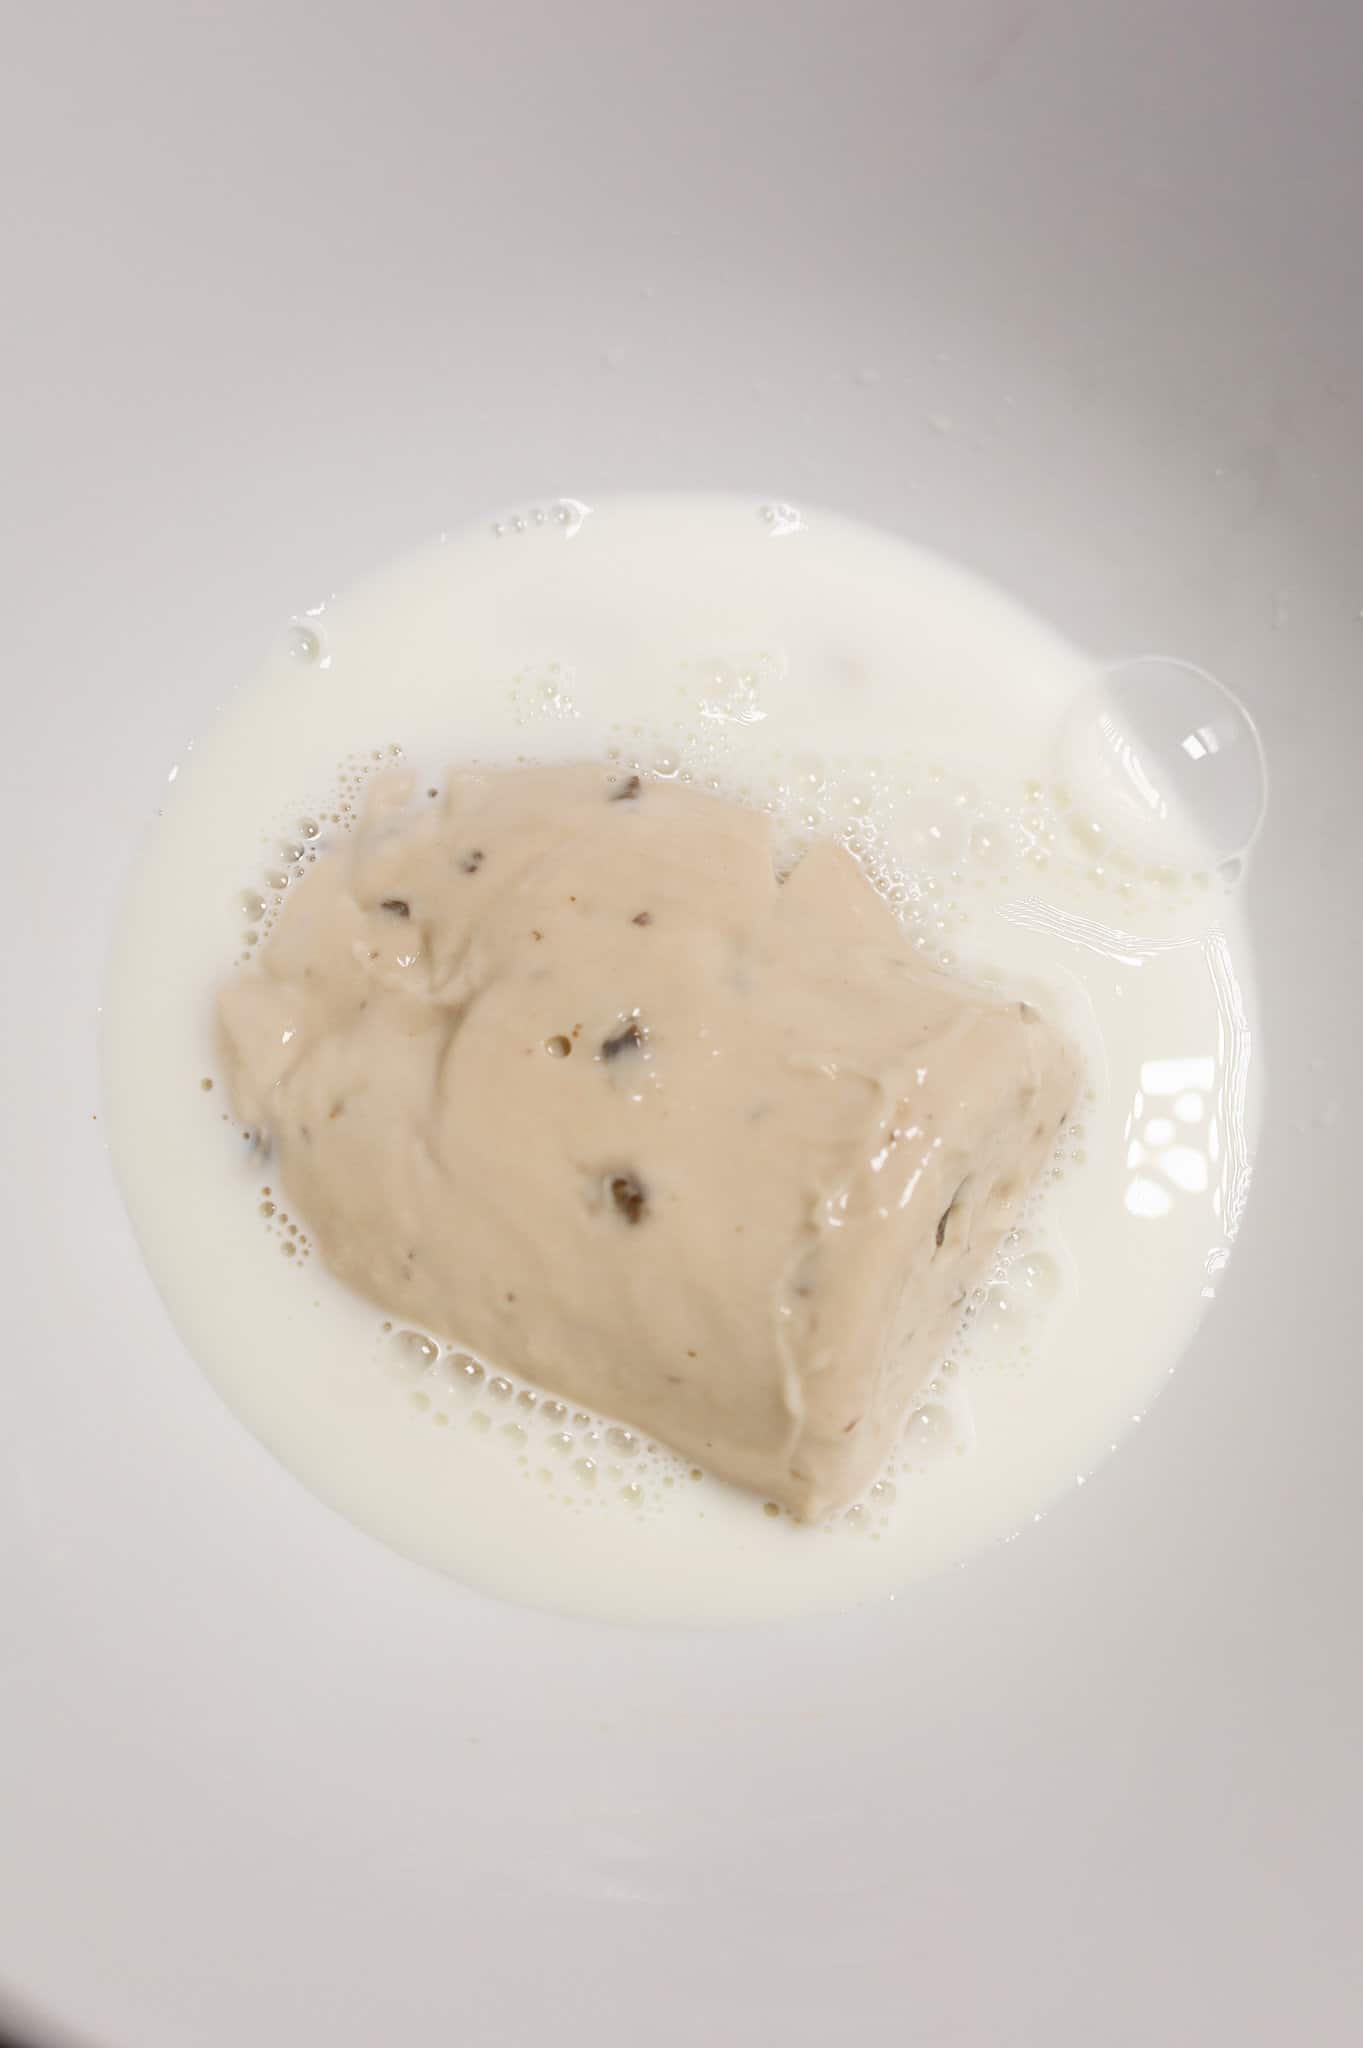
[854,685]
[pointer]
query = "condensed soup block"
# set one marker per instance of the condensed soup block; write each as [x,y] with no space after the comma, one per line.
[560,1070]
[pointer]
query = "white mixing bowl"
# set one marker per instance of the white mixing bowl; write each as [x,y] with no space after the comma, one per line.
[1071,292]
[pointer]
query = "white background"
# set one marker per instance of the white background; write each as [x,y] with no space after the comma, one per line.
[1070,291]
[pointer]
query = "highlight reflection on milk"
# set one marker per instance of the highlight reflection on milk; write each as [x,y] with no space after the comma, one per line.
[864,688]
[1186,1129]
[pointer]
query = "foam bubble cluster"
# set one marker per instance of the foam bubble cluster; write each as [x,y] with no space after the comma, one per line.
[297,839]
[582,1459]
[285,1230]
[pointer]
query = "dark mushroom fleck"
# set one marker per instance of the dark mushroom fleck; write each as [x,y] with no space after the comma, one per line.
[630,1039]
[395,906]
[472,861]
[644,917]
[626,791]
[945,1217]
[628,1196]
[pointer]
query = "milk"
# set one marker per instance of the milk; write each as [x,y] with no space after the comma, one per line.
[853,685]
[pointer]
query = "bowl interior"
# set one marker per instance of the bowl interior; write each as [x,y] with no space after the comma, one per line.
[1063,293]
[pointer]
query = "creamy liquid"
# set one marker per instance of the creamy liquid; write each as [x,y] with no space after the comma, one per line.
[857,687]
